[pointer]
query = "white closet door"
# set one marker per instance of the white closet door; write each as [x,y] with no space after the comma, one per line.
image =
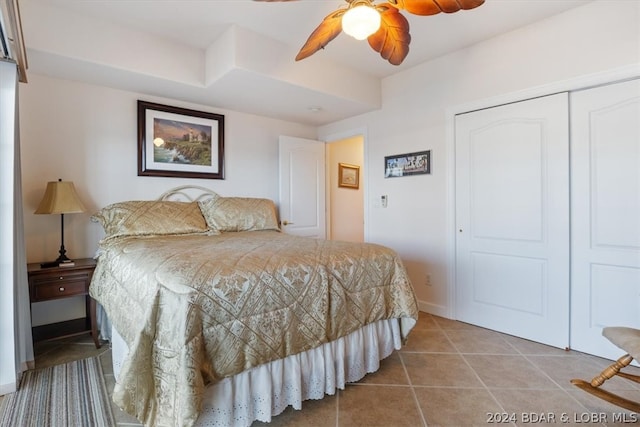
[512,218]
[605,204]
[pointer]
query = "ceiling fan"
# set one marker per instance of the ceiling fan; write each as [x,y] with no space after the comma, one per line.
[382,24]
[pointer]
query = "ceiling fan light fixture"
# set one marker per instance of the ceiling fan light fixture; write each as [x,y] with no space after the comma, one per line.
[360,21]
[383,24]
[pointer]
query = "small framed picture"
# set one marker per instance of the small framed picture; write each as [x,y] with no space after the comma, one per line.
[407,164]
[177,142]
[348,176]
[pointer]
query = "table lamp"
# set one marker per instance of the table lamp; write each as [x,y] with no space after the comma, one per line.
[60,197]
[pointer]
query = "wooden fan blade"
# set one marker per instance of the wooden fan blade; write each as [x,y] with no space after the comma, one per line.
[393,38]
[433,7]
[328,30]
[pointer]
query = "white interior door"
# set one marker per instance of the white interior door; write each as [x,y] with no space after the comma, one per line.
[512,219]
[605,205]
[302,187]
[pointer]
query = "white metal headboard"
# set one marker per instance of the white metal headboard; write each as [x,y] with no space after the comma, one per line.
[184,193]
[188,193]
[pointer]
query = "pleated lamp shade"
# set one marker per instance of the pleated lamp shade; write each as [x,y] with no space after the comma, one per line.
[60,197]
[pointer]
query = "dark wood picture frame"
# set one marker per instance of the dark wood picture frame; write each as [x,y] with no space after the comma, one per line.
[348,176]
[408,164]
[178,142]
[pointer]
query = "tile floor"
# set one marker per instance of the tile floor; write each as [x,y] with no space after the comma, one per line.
[449,374]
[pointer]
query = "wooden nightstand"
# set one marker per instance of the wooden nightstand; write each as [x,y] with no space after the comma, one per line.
[46,284]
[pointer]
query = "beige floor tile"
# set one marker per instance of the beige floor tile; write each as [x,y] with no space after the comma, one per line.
[42,348]
[480,341]
[454,324]
[107,363]
[428,340]
[391,372]
[373,406]
[541,406]
[449,374]
[59,353]
[314,413]
[530,347]
[456,406]
[439,370]
[622,420]
[426,321]
[506,371]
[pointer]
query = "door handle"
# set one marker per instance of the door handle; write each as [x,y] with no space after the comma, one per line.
[285,222]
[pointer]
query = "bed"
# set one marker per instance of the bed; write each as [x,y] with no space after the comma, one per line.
[219,318]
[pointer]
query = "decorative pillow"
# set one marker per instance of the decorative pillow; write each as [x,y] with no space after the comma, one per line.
[143,218]
[239,214]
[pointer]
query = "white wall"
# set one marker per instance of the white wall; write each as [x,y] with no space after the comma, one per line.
[87,134]
[593,38]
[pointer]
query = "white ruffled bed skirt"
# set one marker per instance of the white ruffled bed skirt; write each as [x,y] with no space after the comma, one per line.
[266,390]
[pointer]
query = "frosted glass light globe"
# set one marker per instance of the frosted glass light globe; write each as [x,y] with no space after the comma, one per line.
[361,21]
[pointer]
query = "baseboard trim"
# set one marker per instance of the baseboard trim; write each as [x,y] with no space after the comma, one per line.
[435,309]
[8,388]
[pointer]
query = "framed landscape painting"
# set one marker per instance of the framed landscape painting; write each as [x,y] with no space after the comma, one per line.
[177,142]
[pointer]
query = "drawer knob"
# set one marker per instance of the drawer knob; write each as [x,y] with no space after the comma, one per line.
[61,289]
[61,277]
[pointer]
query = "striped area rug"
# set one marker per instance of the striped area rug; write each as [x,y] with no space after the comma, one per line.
[69,395]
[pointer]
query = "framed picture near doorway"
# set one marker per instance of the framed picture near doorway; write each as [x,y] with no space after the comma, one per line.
[408,164]
[348,176]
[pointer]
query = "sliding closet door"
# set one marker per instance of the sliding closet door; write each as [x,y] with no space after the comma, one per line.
[605,204]
[512,219]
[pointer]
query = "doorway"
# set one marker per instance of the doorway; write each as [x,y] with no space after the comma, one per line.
[345,200]
[312,204]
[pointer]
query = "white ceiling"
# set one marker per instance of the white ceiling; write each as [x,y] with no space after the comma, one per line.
[241,52]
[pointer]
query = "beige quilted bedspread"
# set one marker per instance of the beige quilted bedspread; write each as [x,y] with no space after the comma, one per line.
[194,309]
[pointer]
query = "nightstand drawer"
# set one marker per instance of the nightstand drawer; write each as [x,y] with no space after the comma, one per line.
[60,289]
[60,277]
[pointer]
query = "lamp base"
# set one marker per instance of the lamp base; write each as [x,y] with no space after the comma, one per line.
[61,261]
